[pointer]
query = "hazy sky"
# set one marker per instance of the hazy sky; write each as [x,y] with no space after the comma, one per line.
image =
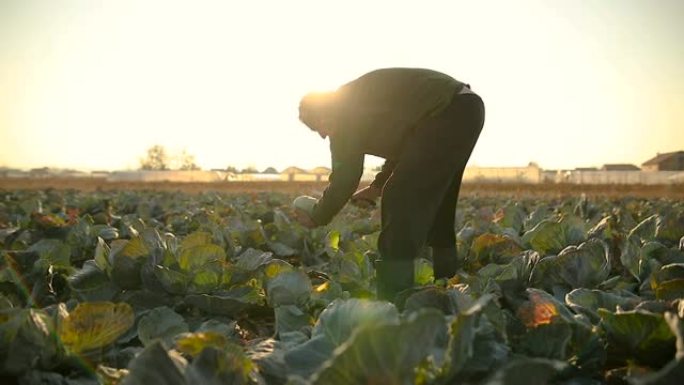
[92,84]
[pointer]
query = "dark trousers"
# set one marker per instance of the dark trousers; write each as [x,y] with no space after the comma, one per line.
[419,199]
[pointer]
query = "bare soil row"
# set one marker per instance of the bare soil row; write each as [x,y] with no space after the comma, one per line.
[468,189]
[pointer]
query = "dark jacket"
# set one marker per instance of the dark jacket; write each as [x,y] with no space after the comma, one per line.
[375,114]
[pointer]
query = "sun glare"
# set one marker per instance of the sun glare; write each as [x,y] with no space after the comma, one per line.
[93,87]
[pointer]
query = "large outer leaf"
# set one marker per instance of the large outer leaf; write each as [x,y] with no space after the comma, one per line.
[305,359]
[589,301]
[430,297]
[545,237]
[638,335]
[338,321]
[27,341]
[193,258]
[126,259]
[92,284]
[252,259]
[173,282]
[229,303]
[527,371]
[93,325]
[586,266]
[490,351]
[673,372]
[192,344]
[462,332]
[198,238]
[668,282]
[670,290]
[553,331]
[269,356]
[54,251]
[646,229]
[161,323]
[207,278]
[493,248]
[661,253]
[670,226]
[630,255]
[101,257]
[220,367]
[549,236]
[551,340]
[154,366]
[334,326]
[541,309]
[511,216]
[290,318]
[350,269]
[384,354]
[288,288]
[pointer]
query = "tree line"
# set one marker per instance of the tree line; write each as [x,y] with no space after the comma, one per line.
[159,158]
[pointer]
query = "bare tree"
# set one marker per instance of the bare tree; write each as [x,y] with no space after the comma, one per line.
[187,162]
[156,159]
[249,170]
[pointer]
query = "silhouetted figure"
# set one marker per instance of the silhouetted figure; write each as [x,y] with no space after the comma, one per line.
[425,124]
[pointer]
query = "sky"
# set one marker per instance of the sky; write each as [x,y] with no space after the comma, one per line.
[92,85]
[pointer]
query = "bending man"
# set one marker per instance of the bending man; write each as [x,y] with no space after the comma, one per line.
[425,124]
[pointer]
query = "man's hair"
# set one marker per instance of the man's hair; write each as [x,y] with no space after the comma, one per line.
[312,105]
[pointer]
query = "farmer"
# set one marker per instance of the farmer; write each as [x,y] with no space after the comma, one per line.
[425,124]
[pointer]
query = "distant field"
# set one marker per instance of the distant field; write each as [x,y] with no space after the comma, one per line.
[510,189]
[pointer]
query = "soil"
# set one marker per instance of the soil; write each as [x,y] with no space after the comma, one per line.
[316,188]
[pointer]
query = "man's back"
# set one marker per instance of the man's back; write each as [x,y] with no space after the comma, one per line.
[382,106]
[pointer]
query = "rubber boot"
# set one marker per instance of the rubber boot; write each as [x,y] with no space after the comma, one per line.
[393,277]
[444,262]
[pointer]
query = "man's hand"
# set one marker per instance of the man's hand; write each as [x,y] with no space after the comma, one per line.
[303,208]
[366,197]
[304,218]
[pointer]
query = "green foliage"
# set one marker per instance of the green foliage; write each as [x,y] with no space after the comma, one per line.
[382,353]
[162,324]
[167,288]
[27,341]
[638,335]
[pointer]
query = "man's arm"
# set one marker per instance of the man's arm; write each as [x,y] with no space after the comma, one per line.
[367,196]
[347,168]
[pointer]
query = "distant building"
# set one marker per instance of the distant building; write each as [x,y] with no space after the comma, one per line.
[671,161]
[530,174]
[167,176]
[586,169]
[620,167]
[70,173]
[552,176]
[294,173]
[99,174]
[5,171]
[322,173]
[42,172]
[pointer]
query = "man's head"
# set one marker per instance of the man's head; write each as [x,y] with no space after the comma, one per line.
[314,111]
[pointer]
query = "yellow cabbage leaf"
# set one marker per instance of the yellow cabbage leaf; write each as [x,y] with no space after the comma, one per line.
[93,325]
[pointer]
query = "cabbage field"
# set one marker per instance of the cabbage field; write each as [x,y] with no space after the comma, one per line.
[170,289]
